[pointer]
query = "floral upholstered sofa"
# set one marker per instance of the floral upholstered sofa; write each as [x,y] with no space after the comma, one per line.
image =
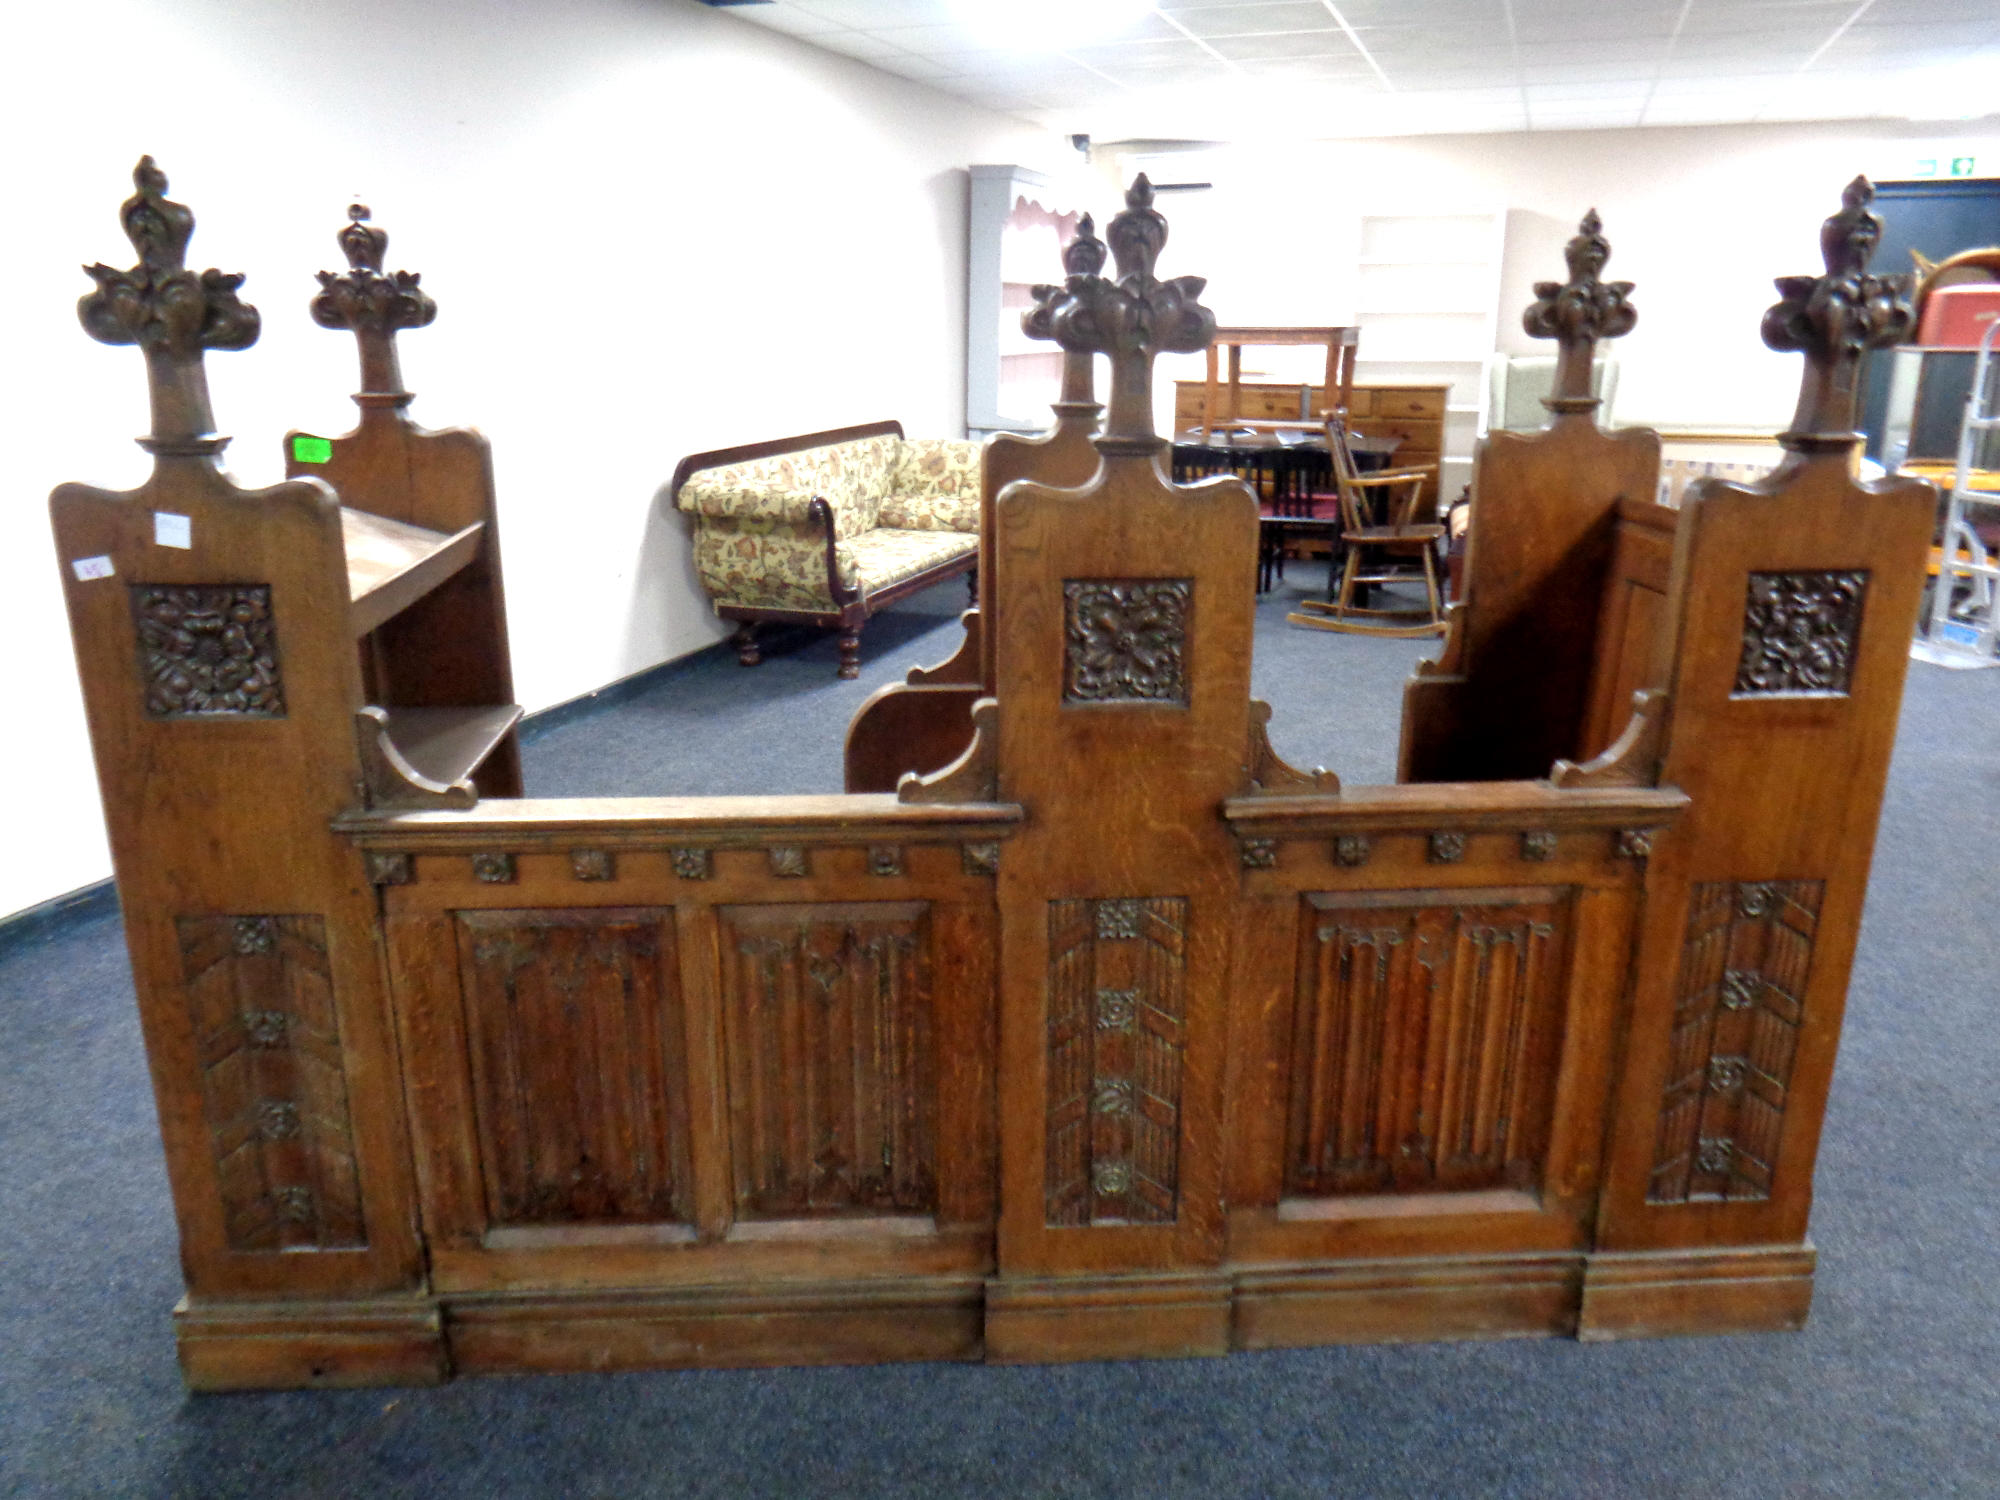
[826,528]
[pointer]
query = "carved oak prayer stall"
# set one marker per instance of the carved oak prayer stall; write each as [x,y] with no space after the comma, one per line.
[1113,1035]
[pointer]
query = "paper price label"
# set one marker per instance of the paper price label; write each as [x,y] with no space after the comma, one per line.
[170,530]
[87,568]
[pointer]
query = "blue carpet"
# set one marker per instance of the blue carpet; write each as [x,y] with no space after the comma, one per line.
[1891,1390]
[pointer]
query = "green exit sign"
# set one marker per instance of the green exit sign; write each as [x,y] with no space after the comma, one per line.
[1961,166]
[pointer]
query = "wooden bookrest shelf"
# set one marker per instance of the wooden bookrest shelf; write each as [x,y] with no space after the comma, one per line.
[448,744]
[391,564]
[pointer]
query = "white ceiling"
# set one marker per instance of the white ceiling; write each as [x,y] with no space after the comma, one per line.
[1236,69]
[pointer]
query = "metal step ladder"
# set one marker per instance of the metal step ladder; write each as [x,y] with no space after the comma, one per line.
[1962,626]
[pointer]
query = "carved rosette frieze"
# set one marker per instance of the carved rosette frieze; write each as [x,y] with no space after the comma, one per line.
[789,861]
[1116,1034]
[1538,845]
[832,1059]
[207,649]
[593,864]
[1836,317]
[1126,639]
[1577,313]
[493,869]
[1351,850]
[1259,854]
[692,864]
[1131,320]
[1424,1045]
[885,859]
[1445,848]
[171,313]
[979,859]
[1736,1027]
[392,868]
[372,305]
[1635,843]
[1799,634]
[274,1089]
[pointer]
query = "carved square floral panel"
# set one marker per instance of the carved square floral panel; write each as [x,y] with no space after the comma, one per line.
[207,649]
[1799,631]
[1125,640]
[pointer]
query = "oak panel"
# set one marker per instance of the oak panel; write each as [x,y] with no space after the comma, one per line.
[832,1064]
[578,1064]
[1424,1043]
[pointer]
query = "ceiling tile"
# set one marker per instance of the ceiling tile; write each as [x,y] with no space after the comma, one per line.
[1237,20]
[1123,56]
[1287,44]
[1450,64]
[794,20]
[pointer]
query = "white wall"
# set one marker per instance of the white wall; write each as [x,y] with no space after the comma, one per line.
[650,227]
[1700,218]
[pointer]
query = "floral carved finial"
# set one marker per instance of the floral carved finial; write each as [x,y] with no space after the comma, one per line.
[372,306]
[1132,319]
[1084,255]
[173,314]
[1834,318]
[1579,312]
[1083,258]
[363,243]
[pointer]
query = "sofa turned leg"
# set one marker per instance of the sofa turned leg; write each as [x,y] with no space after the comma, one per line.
[745,641]
[850,651]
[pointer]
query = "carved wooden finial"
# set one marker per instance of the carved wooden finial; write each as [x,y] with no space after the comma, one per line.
[1082,257]
[171,313]
[1834,318]
[1579,312]
[372,306]
[1132,319]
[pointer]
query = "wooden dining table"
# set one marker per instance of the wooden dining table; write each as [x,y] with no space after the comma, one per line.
[1293,477]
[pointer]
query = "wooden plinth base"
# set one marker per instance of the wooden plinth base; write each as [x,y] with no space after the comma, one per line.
[1660,1293]
[421,1341]
[269,1346]
[1106,1317]
[1401,1301]
[711,1327]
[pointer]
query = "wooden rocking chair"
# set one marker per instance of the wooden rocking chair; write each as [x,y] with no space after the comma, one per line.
[1380,546]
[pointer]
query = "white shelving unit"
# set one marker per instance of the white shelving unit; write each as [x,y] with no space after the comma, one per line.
[1019,222]
[1427,295]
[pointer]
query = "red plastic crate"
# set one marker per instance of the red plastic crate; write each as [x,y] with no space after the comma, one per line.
[1956,317]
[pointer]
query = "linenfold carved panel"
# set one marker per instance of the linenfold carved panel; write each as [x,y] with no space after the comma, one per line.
[832,1065]
[1799,633]
[1126,640]
[274,1092]
[1424,1042]
[574,1025]
[1736,1028]
[1116,1032]
[207,649]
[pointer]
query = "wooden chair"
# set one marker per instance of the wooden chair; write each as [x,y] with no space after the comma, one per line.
[1397,537]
